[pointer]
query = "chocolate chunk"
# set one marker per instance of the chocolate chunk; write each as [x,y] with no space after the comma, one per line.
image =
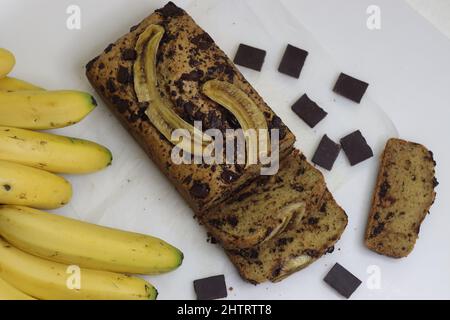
[377,230]
[202,41]
[123,75]
[229,176]
[342,280]
[121,104]
[356,148]
[292,61]
[330,249]
[90,64]
[129,54]
[109,48]
[194,75]
[350,87]
[170,10]
[110,85]
[232,220]
[309,111]
[384,188]
[326,153]
[211,288]
[199,190]
[250,57]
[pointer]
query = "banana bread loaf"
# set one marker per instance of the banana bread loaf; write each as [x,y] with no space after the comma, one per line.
[402,198]
[186,58]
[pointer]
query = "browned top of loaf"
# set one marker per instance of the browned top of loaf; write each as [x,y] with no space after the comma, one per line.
[187,57]
[305,240]
[403,195]
[262,209]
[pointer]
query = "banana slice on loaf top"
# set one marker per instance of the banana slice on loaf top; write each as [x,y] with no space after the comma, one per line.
[186,58]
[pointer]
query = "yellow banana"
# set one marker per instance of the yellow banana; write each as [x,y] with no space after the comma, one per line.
[65,240]
[13,84]
[51,152]
[7,62]
[27,186]
[49,280]
[8,292]
[161,113]
[40,110]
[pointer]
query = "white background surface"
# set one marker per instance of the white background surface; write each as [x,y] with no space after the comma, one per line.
[406,63]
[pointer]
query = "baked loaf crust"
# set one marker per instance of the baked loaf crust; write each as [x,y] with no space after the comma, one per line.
[283,225]
[306,239]
[187,57]
[265,207]
[402,198]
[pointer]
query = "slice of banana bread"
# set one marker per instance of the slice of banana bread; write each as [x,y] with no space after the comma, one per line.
[403,196]
[264,208]
[305,240]
[186,58]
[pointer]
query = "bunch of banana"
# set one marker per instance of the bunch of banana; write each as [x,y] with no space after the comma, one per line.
[29,159]
[47,256]
[46,245]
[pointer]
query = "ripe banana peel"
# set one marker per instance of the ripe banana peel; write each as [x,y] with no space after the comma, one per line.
[8,292]
[41,110]
[69,241]
[49,280]
[52,152]
[7,62]
[14,84]
[27,186]
[161,112]
[244,109]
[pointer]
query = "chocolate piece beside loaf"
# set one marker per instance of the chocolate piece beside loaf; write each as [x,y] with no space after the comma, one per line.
[402,198]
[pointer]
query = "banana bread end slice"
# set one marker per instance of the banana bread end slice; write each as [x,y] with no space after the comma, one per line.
[305,240]
[403,196]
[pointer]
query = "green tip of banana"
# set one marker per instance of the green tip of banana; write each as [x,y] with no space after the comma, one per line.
[152,292]
[93,101]
[110,157]
[181,259]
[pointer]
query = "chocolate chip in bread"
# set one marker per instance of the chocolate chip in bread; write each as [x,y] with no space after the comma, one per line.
[402,198]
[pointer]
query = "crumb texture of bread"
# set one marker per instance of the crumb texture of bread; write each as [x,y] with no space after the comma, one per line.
[305,240]
[403,196]
[264,208]
[186,58]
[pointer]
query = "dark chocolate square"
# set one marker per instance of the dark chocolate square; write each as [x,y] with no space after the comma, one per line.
[293,61]
[250,57]
[211,288]
[356,148]
[308,111]
[342,280]
[350,87]
[326,153]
